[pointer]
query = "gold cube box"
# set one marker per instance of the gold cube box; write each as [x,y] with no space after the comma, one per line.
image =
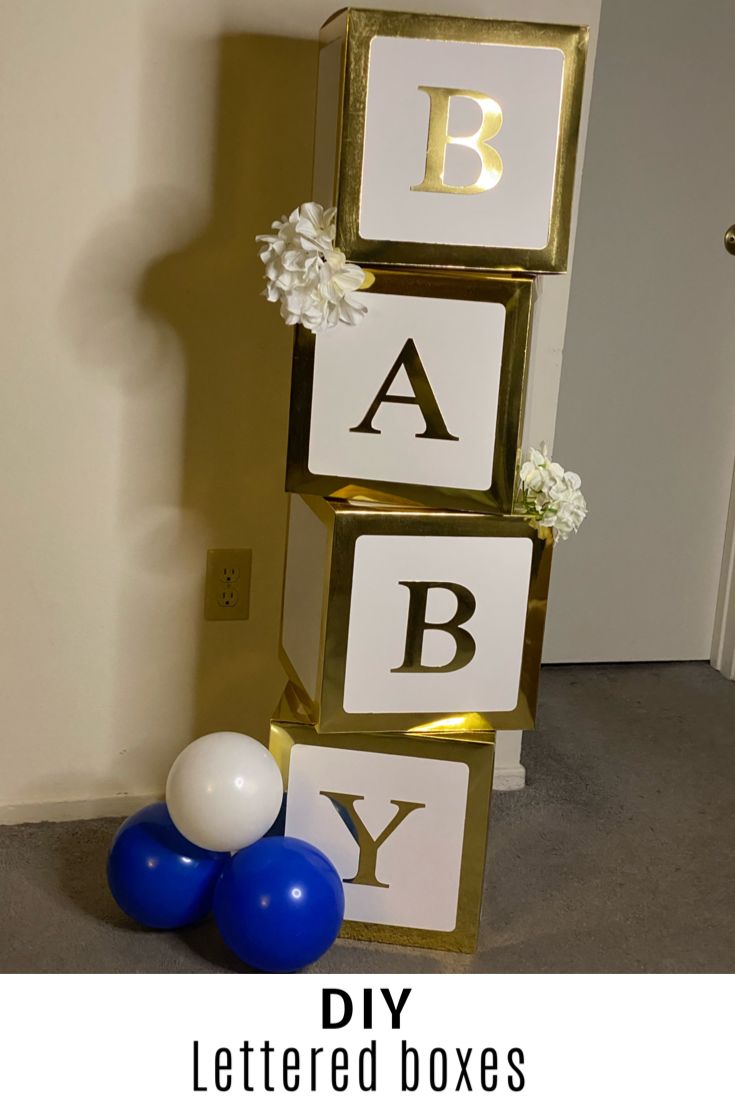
[403,818]
[449,142]
[411,620]
[422,403]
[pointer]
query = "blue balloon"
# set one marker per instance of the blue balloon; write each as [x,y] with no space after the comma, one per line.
[158,877]
[279,904]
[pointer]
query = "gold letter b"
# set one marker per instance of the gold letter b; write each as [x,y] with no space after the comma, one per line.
[439,138]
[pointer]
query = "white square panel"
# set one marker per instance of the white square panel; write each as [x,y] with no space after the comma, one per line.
[420,861]
[525,81]
[495,570]
[459,344]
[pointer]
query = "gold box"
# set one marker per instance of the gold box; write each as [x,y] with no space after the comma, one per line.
[403,818]
[449,142]
[465,344]
[410,620]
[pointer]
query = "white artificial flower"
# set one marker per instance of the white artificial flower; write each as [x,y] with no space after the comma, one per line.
[552,497]
[307,275]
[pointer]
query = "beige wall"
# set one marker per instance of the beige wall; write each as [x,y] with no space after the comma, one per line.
[144,381]
[144,384]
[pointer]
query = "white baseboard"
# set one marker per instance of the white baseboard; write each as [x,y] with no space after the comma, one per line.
[66,810]
[723,636]
[509,778]
[509,774]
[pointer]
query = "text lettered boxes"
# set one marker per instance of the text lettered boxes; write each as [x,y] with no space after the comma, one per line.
[403,619]
[403,818]
[422,402]
[449,142]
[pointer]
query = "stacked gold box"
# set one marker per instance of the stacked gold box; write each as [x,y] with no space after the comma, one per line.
[414,598]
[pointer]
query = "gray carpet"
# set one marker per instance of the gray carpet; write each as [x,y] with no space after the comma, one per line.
[617,857]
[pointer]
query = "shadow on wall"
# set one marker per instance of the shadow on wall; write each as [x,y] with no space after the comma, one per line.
[203,435]
[237,354]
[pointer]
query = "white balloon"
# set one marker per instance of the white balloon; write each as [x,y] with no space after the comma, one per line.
[224,791]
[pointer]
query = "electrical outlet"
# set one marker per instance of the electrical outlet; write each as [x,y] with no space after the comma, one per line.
[227,586]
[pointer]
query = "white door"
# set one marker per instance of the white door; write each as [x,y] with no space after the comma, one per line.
[647,404]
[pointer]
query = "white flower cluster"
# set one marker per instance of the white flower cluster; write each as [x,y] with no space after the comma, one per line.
[552,497]
[306,273]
